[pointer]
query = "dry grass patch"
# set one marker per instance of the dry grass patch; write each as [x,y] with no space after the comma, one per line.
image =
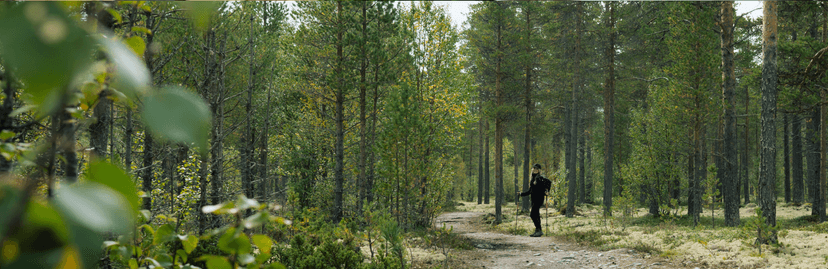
[804,241]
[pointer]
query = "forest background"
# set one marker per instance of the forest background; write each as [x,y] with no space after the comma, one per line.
[196,131]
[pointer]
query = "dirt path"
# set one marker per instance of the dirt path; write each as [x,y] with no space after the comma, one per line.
[497,250]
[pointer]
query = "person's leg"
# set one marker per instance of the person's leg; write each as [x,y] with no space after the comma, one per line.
[535,215]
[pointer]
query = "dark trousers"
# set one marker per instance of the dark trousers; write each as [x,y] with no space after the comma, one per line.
[535,214]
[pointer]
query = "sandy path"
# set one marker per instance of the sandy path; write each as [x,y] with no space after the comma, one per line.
[497,250]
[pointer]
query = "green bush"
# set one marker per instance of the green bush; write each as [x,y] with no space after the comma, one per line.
[321,251]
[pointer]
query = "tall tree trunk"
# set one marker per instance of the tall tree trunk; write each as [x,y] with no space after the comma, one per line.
[787,154]
[246,157]
[363,135]
[128,131]
[263,177]
[498,125]
[818,202]
[167,173]
[823,130]
[700,165]
[767,167]
[217,158]
[798,193]
[480,175]
[675,192]
[339,176]
[99,129]
[527,95]
[571,154]
[147,169]
[486,166]
[516,143]
[148,154]
[729,161]
[691,173]
[812,142]
[746,155]
[51,154]
[609,112]
[66,145]
[207,91]
[556,146]
[581,158]
[202,199]
[590,178]
[369,185]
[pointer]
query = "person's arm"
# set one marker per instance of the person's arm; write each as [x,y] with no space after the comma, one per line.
[526,192]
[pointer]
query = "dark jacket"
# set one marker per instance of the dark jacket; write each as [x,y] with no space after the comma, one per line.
[537,187]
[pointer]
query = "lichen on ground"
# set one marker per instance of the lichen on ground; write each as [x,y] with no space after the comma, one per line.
[804,243]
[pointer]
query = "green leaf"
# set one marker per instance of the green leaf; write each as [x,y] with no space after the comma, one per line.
[147,229]
[219,208]
[200,12]
[262,258]
[141,29]
[245,259]
[123,251]
[45,48]
[180,253]
[215,262]
[225,242]
[132,77]
[108,174]
[86,239]
[107,244]
[233,241]
[164,259]
[189,242]
[243,243]
[21,110]
[178,115]
[255,220]
[153,262]
[207,209]
[6,134]
[137,45]
[95,206]
[263,242]
[144,214]
[115,15]
[133,264]
[10,198]
[164,234]
[245,203]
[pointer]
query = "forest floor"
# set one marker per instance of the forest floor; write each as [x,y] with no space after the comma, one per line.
[634,241]
[493,249]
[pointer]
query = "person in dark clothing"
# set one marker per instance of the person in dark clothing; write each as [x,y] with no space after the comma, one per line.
[537,188]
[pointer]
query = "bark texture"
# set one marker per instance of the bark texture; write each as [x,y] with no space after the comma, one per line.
[767,164]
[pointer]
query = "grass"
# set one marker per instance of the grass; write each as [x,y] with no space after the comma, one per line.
[675,237]
[668,253]
[510,229]
[591,237]
[642,247]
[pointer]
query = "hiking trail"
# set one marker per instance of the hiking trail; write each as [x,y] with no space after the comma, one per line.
[498,250]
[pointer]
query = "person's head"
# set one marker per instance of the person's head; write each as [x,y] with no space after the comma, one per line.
[536,168]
